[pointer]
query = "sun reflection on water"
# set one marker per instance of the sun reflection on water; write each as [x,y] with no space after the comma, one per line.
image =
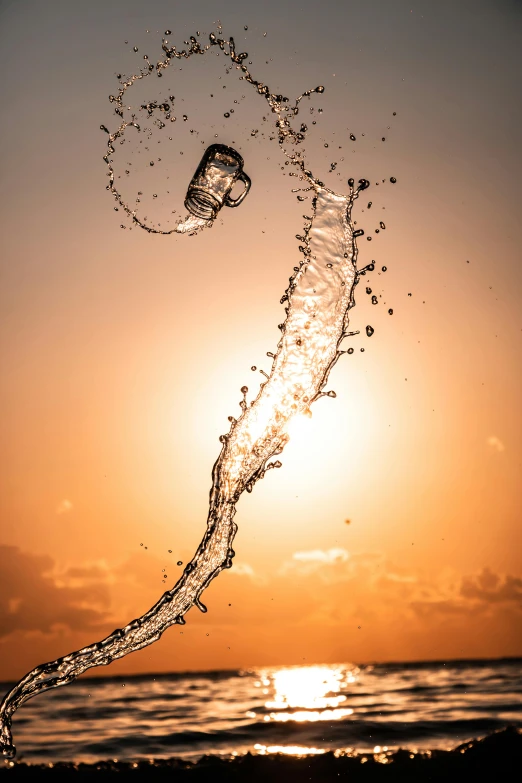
[307,693]
[308,716]
[288,750]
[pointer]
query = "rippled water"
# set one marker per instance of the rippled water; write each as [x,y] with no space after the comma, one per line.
[295,710]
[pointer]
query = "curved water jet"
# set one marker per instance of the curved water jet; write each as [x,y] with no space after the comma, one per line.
[319,297]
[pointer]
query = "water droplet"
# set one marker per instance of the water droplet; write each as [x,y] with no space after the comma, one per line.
[151,163]
[135,48]
[226,114]
[353,138]
[382,224]
[253,368]
[393,180]
[368,290]
[319,89]
[390,311]
[385,269]
[246,27]
[369,330]
[244,390]
[374,302]
[180,562]
[170,551]
[168,32]
[350,350]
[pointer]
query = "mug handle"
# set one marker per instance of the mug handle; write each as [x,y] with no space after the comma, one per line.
[235,202]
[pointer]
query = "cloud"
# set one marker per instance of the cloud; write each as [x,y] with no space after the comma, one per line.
[404,578]
[321,556]
[88,573]
[32,598]
[334,565]
[324,564]
[488,587]
[342,585]
[64,506]
[243,569]
[318,601]
[472,594]
[495,443]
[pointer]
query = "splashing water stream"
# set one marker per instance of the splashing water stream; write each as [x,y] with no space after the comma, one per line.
[318,299]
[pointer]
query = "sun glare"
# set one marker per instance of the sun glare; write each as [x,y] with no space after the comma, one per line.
[307,693]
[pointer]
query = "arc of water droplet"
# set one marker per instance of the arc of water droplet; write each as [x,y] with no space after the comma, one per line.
[279,105]
[320,295]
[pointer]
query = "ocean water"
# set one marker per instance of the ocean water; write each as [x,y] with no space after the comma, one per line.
[295,710]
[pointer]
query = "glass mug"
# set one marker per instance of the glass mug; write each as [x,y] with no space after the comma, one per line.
[220,168]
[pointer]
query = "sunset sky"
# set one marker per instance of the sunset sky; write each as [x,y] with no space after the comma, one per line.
[123,353]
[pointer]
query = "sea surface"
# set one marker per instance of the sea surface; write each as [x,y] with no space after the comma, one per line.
[295,710]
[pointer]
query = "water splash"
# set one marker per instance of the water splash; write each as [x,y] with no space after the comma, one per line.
[318,299]
[279,105]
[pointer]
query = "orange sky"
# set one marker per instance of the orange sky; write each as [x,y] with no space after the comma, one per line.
[123,353]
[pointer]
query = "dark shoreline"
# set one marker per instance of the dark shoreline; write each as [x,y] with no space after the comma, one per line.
[478,760]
